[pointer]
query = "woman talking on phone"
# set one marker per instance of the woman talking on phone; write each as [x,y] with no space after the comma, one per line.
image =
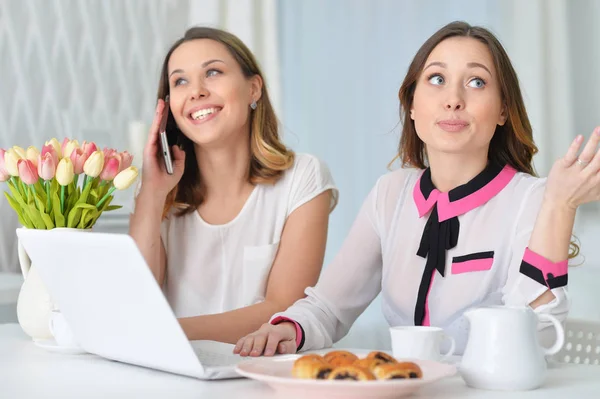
[238,230]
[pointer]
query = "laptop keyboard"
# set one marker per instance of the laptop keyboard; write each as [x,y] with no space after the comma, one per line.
[215,359]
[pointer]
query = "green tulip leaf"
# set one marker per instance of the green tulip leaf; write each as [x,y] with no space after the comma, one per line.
[35,217]
[47,220]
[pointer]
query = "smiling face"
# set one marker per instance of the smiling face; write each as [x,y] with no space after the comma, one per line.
[457,102]
[209,95]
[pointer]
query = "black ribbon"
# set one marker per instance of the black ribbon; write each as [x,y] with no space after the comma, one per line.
[437,238]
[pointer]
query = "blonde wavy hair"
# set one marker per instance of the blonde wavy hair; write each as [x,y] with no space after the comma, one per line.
[269,157]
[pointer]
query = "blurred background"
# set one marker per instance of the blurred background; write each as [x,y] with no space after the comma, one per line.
[89,69]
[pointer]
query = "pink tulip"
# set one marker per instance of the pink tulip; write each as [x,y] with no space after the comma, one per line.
[2,167]
[126,160]
[54,143]
[27,171]
[78,157]
[46,166]
[64,144]
[4,175]
[88,148]
[108,152]
[48,149]
[111,167]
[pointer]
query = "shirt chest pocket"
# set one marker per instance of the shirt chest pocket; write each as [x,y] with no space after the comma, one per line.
[257,265]
[475,262]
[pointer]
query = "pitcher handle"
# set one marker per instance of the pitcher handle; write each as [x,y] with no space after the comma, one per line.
[450,351]
[560,334]
[24,260]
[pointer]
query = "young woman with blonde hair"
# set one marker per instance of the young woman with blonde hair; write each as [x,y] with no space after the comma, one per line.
[238,231]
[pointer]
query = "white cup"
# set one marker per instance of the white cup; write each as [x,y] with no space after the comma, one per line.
[420,342]
[61,331]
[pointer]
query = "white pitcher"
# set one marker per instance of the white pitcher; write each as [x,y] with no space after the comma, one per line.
[503,352]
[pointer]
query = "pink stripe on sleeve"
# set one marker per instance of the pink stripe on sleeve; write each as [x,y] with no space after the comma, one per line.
[281,319]
[545,265]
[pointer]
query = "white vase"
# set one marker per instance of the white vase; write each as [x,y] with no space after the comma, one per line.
[34,304]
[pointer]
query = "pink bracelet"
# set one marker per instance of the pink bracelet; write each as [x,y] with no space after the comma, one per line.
[299,335]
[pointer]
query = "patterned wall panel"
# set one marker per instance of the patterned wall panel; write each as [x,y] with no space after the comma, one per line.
[79,68]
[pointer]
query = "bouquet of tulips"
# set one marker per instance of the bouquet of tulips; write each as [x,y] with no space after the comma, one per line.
[67,185]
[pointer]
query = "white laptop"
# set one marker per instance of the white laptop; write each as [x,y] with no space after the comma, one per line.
[114,306]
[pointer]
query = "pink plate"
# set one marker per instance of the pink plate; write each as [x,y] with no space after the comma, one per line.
[277,373]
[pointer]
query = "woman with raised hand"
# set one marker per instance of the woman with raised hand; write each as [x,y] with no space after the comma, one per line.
[464,223]
[238,230]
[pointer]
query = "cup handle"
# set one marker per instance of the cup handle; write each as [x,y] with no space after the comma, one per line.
[51,323]
[450,352]
[560,334]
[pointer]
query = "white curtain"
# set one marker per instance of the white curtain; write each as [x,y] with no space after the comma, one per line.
[83,69]
[255,23]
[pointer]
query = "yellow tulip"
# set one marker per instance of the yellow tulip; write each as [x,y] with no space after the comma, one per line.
[32,154]
[64,172]
[125,178]
[20,151]
[94,164]
[11,158]
[69,147]
[56,145]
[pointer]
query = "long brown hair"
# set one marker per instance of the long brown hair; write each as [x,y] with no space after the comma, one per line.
[269,156]
[512,143]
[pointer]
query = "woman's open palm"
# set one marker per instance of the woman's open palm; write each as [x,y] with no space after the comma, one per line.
[575,180]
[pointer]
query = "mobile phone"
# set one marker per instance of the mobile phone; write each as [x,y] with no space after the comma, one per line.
[164,143]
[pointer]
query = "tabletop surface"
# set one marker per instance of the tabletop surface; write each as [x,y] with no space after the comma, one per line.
[29,371]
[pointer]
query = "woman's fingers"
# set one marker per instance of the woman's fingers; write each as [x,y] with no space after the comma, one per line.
[589,150]
[247,345]
[571,155]
[273,341]
[239,345]
[259,345]
[153,136]
[594,165]
[286,347]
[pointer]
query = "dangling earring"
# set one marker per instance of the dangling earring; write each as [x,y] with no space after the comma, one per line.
[253,105]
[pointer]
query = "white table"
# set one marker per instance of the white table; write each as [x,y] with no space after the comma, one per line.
[27,371]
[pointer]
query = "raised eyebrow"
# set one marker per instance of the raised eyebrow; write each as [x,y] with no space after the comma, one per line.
[436,63]
[479,65]
[207,63]
[175,71]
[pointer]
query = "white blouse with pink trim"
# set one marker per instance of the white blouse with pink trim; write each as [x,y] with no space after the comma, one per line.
[434,255]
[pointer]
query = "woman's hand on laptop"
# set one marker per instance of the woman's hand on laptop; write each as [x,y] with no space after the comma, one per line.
[268,340]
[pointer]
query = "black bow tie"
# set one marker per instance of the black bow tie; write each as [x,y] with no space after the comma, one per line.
[436,239]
